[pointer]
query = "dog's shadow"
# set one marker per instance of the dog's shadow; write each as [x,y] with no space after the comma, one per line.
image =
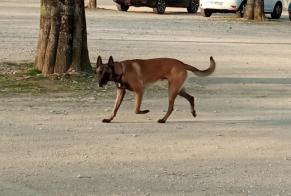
[206,121]
[155,122]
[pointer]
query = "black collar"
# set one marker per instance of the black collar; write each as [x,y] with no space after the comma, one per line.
[118,78]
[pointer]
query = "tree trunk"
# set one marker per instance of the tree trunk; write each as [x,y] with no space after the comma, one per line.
[92,4]
[255,10]
[259,10]
[249,13]
[62,43]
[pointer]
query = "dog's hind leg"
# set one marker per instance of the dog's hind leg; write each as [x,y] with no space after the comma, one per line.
[190,98]
[175,85]
[170,109]
[138,100]
[119,97]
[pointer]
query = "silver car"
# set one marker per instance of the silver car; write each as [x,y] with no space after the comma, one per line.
[273,7]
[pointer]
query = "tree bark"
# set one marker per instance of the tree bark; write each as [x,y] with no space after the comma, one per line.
[92,4]
[249,13]
[259,10]
[255,10]
[62,43]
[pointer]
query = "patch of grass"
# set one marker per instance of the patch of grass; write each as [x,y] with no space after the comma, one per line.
[33,72]
[9,85]
[24,78]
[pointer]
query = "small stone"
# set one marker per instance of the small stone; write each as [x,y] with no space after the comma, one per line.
[80,176]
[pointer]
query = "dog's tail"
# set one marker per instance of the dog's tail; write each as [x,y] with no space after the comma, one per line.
[205,72]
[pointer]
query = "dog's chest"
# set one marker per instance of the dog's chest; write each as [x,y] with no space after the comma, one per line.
[124,85]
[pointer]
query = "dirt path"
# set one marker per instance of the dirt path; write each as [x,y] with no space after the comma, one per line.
[55,143]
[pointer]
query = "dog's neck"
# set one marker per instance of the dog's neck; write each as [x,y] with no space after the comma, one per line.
[117,78]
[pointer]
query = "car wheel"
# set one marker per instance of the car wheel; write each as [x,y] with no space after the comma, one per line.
[122,7]
[160,7]
[193,6]
[240,12]
[290,16]
[276,14]
[205,12]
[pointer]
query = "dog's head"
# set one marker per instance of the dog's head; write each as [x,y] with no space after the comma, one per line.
[104,71]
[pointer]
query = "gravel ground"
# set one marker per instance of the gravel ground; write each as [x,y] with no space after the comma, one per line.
[55,143]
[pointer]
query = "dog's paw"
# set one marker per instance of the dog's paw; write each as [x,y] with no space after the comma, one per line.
[106,120]
[161,121]
[194,114]
[143,112]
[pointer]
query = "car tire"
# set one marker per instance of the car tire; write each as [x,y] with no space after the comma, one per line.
[193,6]
[276,14]
[160,7]
[205,12]
[122,7]
[290,16]
[240,12]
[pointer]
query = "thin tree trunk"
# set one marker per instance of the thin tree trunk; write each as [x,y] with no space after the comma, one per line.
[62,43]
[259,10]
[92,4]
[255,10]
[249,13]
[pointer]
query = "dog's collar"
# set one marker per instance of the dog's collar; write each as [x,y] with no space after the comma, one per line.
[118,77]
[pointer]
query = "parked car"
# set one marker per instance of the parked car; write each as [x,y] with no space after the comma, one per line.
[159,6]
[207,7]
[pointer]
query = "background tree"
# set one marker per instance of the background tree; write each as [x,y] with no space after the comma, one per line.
[255,10]
[92,4]
[62,43]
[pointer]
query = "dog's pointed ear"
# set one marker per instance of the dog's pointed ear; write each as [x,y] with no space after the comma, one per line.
[99,62]
[111,62]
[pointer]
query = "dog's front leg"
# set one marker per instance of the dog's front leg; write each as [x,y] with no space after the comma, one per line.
[138,100]
[119,97]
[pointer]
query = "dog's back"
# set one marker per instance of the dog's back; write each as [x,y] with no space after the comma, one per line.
[152,70]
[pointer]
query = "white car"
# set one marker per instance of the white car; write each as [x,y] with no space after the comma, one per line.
[207,7]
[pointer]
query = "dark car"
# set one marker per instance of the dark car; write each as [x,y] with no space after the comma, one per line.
[159,6]
[289,10]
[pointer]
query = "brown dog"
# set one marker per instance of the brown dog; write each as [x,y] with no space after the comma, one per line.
[134,75]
